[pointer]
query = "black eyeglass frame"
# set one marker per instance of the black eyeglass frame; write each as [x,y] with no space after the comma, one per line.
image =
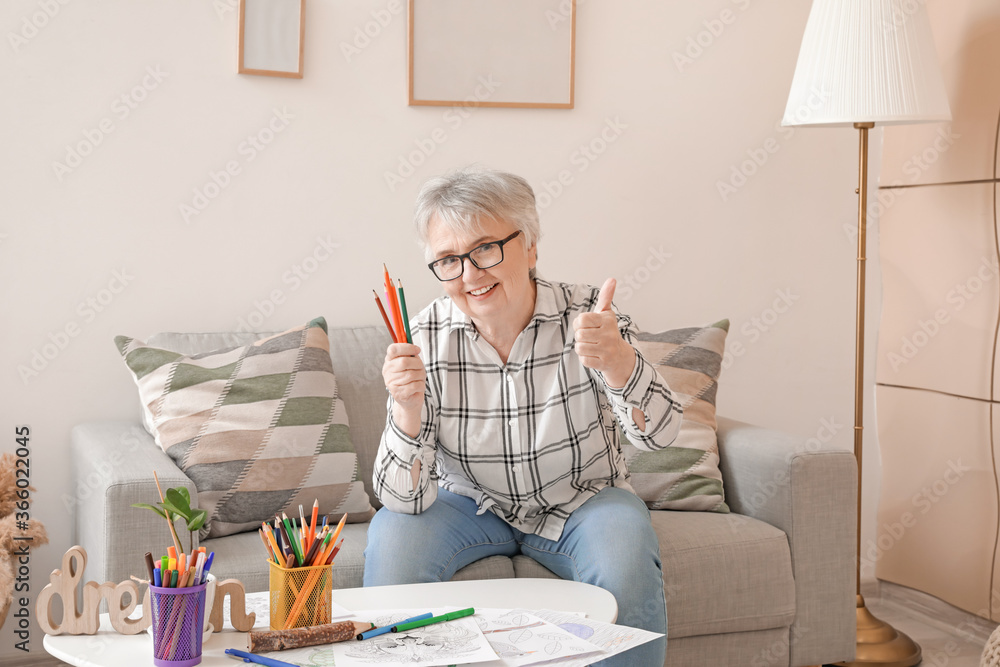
[461,258]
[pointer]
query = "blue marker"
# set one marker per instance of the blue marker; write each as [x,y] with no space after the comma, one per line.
[208,566]
[259,659]
[388,628]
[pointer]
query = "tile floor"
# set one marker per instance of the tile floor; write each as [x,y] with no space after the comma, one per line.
[947,636]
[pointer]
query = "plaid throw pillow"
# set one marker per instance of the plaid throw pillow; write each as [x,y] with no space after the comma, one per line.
[259,429]
[685,475]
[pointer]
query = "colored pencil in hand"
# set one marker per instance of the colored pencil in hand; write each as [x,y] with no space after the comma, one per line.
[385,318]
[394,306]
[403,314]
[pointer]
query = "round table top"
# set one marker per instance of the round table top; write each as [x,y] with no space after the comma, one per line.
[109,649]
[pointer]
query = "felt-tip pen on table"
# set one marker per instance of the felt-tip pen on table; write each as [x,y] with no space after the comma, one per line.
[450,616]
[368,634]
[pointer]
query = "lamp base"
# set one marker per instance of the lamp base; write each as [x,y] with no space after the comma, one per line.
[881,644]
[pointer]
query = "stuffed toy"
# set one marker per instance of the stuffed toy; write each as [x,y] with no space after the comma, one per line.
[9,530]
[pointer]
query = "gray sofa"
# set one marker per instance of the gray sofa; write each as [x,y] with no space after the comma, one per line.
[770,584]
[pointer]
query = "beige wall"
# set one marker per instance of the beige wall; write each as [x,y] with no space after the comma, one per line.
[104,249]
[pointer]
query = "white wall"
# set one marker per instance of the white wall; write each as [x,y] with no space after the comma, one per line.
[682,130]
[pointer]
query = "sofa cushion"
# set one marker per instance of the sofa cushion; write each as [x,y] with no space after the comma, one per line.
[723,573]
[258,428]
[357,354]
[684,476]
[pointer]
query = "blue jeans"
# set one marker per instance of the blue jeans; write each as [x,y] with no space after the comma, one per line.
[608,542]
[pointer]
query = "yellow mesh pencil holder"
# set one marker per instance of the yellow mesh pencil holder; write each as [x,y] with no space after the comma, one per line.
[300,597]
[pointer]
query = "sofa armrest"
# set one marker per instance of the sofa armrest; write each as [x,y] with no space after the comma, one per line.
[113,465]
[810,493]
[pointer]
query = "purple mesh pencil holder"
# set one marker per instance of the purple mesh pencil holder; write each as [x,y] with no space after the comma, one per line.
[178,616]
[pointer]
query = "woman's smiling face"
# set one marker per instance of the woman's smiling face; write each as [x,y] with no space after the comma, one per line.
[488,296]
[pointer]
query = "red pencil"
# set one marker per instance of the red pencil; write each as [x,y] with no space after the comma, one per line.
[385,318]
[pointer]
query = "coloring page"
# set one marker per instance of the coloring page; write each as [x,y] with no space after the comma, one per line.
[439,644]
[520,639]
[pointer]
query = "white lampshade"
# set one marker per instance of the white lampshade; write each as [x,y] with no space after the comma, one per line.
[867,61]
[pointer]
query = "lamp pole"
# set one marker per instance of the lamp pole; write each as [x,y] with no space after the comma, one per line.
[878,643]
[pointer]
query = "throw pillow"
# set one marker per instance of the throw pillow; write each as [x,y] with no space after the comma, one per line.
[260,429]
[685,475]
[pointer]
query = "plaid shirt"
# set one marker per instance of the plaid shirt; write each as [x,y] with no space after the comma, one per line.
[531,440]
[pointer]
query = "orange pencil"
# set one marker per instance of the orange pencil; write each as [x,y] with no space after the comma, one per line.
[385,318]
[340,527]
[397,316]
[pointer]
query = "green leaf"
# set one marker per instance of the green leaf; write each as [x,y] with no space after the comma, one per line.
[197,520]
[147,506]
[175,510]
[181,499]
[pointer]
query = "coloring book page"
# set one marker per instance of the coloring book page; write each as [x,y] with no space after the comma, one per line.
[610,638]
[439,644]
[521,639]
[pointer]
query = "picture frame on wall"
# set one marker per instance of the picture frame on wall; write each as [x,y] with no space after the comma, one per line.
[271,38]
[492,53]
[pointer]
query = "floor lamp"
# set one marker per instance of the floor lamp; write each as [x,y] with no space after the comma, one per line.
[862,63]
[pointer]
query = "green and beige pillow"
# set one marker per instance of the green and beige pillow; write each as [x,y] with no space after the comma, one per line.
[685,475]
[259,429]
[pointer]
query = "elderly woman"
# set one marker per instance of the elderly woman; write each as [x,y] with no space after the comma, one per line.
[501,435]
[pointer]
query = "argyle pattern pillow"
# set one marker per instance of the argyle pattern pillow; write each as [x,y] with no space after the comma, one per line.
[259,429]
[685,475]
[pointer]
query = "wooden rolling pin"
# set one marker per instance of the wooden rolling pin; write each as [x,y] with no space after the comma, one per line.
[278,640]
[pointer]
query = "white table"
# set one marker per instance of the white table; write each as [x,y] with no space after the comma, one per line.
[109,649]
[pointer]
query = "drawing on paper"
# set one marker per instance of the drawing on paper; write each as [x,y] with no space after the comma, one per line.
[443,641]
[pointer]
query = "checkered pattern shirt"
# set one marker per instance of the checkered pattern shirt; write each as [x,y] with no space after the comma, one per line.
[530,440]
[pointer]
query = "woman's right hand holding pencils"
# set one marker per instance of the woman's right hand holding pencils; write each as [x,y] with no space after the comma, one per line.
[406,379]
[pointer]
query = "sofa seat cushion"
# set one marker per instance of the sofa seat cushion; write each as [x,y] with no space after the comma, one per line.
[723,573]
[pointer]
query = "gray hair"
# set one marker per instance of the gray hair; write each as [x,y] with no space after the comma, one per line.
[464,198]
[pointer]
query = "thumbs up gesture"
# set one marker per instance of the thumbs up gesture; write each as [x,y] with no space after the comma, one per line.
[599,343]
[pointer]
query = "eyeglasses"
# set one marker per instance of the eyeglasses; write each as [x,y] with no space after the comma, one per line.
[483,256]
